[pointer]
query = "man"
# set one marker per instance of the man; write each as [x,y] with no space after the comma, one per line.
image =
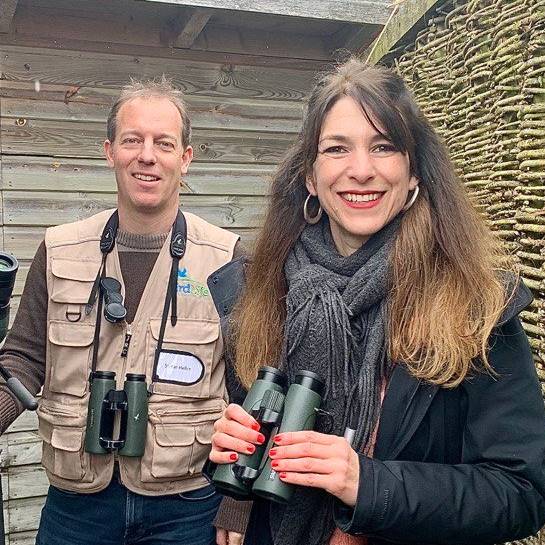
[69,335]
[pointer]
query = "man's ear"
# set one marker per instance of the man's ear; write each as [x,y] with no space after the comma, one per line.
[187,157]
[309,182]
[108,152]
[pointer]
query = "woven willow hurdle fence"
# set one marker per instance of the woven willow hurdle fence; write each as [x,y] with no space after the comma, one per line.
[478,72]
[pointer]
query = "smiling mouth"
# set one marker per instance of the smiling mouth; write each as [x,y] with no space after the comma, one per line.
[359,197]
[146,177]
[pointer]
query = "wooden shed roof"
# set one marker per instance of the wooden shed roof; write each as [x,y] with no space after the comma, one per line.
[303,29]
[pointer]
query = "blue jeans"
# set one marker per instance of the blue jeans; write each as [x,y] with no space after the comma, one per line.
[117,516]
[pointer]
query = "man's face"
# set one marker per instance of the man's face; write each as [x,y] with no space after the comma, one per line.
[147,156]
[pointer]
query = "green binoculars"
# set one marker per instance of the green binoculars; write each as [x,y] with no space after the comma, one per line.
[106,403]
[277,412]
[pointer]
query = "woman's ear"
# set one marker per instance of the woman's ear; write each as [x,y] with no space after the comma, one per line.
[309,182]
[413,182]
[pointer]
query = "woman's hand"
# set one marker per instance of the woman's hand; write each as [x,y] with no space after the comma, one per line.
[235,432]
[309,458]
[226,537]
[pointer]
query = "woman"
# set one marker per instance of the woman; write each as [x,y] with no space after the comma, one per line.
[374,271]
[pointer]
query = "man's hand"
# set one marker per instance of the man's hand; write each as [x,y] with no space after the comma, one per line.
[224,537]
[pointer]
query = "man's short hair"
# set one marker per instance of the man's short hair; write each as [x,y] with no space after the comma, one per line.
[155,88]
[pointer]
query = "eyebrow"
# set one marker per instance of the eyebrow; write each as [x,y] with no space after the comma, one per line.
[345,139]
[167,136]
[134,132]
[336,137]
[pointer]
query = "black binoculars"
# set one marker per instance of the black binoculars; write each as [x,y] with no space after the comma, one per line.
[8,271]
[114,311]
[276,412]
[105,403]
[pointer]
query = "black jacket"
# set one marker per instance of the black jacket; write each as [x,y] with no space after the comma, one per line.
[453,466]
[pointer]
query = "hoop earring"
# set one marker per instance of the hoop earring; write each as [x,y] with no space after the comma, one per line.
[308,218]
[412,199]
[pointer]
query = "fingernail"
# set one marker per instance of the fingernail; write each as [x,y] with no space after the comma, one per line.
[272,452]
[233,456]
[260,438]
[282,475]
[277,438]
[255,426]
[250,449]
[274,463]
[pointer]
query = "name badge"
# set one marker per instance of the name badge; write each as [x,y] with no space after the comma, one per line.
[179,367]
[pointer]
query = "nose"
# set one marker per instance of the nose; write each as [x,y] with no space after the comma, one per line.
[146,154]
[361,167]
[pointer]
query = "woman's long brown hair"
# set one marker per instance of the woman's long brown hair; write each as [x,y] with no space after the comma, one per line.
[446,294]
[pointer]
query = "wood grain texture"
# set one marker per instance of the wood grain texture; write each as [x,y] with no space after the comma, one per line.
[82,69]
[192,28]
[7,11]
[360,11]
[29,173]
[21,101]
[85,140]
[22,538]
[44,208]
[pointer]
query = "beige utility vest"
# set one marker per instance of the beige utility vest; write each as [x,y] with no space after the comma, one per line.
[181,417]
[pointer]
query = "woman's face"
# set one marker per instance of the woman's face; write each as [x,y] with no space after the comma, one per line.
[360,179]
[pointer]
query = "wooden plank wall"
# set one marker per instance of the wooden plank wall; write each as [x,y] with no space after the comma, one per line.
[53,108]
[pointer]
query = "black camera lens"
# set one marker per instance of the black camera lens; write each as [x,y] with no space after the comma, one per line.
[8,271]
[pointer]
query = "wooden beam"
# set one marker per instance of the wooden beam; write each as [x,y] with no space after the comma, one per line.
[356,38]
[192,28]
[353,11]
[7,10]
[404,18]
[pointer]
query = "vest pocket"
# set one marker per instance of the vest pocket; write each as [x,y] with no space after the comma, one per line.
[70,353]
[176,450]
[190,346]
[62,451]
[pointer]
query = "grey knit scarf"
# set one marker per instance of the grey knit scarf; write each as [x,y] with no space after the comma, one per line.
[336,327]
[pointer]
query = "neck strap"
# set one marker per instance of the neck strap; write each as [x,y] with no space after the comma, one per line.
[178,242]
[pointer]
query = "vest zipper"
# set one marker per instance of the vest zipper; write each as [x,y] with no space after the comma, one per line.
[126,342]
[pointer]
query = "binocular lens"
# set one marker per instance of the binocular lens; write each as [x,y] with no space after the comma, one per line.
[7,263]
[8,270]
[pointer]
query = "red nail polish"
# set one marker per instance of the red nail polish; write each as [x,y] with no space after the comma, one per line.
[260,438]
[277,438]
[233,456]
[272,452]
[274,463]
[255,426]
[282,475]
[250,449]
